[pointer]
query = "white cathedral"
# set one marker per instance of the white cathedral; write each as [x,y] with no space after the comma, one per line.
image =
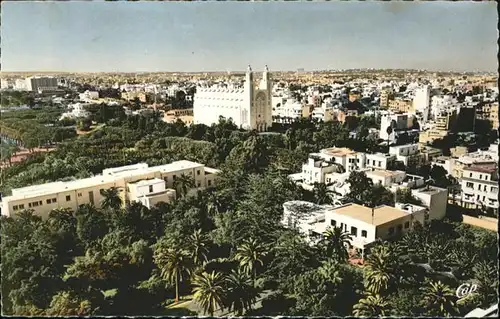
[249,107]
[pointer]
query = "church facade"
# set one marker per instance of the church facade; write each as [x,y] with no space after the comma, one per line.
[249,107]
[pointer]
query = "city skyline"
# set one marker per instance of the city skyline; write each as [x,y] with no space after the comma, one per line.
[218,37]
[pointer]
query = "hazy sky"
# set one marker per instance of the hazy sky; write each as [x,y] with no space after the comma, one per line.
[214,36]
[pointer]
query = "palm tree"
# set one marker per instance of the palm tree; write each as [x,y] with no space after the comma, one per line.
[486,275]
[111,198]
[335,241]
[197,247]
[184,183]
[250,254]
[322,193]
[241,292]
[174,263]
[439,299]
[379,271]
[209,291]
[371,306]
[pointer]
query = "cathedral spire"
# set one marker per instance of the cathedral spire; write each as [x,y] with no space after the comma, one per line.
[249,69]
[266,69]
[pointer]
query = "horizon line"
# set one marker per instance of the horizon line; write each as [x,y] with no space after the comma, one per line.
[258,70]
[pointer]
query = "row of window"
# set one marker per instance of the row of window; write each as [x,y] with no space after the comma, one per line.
[484,188]
[354,230]
[40,203]
[480,176]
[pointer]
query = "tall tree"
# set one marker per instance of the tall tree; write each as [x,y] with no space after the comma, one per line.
[439,299]
[111,198]
[184,183]
[209,291]
[335,242]
[250,255]
[241,292]
[174,262]
[371,306]
[380,270]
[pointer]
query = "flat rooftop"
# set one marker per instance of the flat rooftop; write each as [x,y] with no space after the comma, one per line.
[384,173]
[338,151]
[486,168]
[381,215]
[109,176]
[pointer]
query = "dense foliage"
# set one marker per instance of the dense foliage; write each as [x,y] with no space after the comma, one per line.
[223,247]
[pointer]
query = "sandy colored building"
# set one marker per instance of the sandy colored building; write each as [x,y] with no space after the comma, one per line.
[140,183]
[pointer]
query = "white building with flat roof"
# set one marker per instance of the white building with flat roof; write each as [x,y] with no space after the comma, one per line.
[480,186]
[364,224]
[37,83]
[139,182]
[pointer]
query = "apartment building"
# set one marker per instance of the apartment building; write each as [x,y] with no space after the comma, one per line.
[434,198]
[408,154]
[384,177]
[364,224]
[386,95]
[379,160]
[148,185]
[480,187]
[132,95]
[290,111]
[37,83]
[401,106]
[396,121]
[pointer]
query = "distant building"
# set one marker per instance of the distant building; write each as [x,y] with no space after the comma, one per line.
[40,83]
[89,96]
[386,95]
[249,106]
[290,111]
[421,102]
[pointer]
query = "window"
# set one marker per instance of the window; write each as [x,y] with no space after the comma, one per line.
[35,204]
[333,222]
[479,187]
[198,172]
[342,226]
[363,233]
[49,201]
[470,175]
[379,164]
[199,184]
[175,177]
[54,200]
[407,225]
[40,203]
[150,188]
[391,230]
[68,198]
[470,185]
[79,194]
[165,179]
[480,176]
[354,231]
[15,207]
[21,206]
[29,204]
[400,228]
[494,189]
[209,183]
